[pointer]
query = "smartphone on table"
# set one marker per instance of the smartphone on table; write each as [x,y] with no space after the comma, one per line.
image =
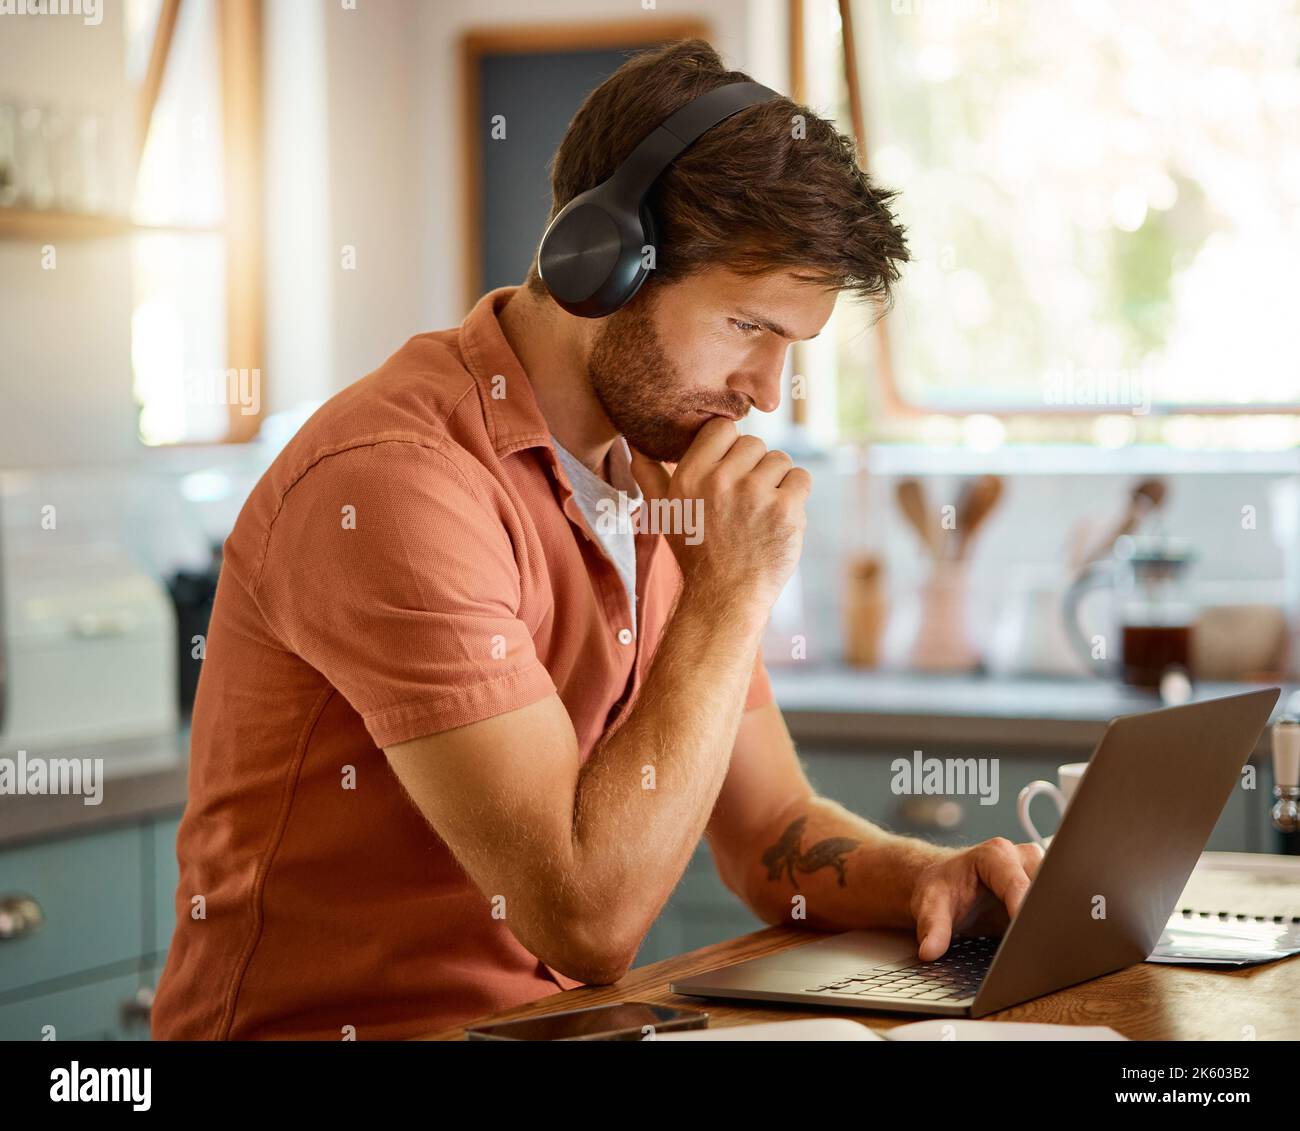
[622,1021]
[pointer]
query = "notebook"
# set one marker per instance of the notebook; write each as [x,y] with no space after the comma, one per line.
[1238,908]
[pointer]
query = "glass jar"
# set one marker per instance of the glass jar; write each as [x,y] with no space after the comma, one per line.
[1154,612]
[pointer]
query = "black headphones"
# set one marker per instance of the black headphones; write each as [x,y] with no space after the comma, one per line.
[591,258]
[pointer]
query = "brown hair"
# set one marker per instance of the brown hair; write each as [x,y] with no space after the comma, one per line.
[755,194]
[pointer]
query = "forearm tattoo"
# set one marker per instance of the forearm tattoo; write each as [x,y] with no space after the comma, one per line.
[785,855]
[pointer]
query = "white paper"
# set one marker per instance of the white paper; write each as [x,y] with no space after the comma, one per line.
[939,1029]
[961,1029]
[804,1029]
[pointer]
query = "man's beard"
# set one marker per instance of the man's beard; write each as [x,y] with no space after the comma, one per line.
[641,390]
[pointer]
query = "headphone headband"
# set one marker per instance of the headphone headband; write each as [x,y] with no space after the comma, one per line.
[664,144]
[591,254]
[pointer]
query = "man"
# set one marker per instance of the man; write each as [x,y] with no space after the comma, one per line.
[458,733]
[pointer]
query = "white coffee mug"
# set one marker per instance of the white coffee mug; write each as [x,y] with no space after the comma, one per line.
[1069,775]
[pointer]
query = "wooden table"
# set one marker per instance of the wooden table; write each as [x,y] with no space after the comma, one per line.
[1143,1002]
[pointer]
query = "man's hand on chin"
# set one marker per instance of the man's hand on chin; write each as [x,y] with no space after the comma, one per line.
[975,891]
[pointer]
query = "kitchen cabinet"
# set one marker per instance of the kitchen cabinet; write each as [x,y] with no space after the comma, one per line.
[83,886]
[91,1012]
[161,836]
[105,896]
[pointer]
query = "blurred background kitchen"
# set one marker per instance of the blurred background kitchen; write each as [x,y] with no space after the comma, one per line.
[1057,483]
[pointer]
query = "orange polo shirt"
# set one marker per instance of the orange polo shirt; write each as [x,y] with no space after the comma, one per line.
[412,561]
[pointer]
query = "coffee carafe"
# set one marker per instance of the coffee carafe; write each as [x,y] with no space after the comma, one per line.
[1149,634]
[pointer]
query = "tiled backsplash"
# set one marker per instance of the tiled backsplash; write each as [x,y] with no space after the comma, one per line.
[1242,555]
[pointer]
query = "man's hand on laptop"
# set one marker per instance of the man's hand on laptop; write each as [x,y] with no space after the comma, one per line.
[976,891]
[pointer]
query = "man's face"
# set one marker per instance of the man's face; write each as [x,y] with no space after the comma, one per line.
[712,344]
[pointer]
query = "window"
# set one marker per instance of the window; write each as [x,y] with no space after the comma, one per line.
[1103,206]
[196,322]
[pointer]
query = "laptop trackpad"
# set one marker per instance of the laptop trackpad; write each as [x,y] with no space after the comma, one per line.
[846,953]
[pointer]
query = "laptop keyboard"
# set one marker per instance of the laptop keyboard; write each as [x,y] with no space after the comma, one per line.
[953,977]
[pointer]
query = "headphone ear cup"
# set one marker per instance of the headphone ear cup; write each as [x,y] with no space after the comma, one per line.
[580,253]
[592,257]
[640,243]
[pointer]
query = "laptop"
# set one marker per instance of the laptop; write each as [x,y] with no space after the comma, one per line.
[1111,877]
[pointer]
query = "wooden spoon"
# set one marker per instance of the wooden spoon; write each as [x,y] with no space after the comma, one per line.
[911,501]
[978,498]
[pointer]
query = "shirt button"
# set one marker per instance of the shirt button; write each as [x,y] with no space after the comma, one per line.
[625,636]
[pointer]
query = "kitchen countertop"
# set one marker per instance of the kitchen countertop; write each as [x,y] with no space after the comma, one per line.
[836,704]
[142,776]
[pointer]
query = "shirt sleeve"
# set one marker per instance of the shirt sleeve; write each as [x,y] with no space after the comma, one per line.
[760,686]
[388,573]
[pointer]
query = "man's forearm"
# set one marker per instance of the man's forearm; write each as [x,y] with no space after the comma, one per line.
[645,794]
[850,873]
